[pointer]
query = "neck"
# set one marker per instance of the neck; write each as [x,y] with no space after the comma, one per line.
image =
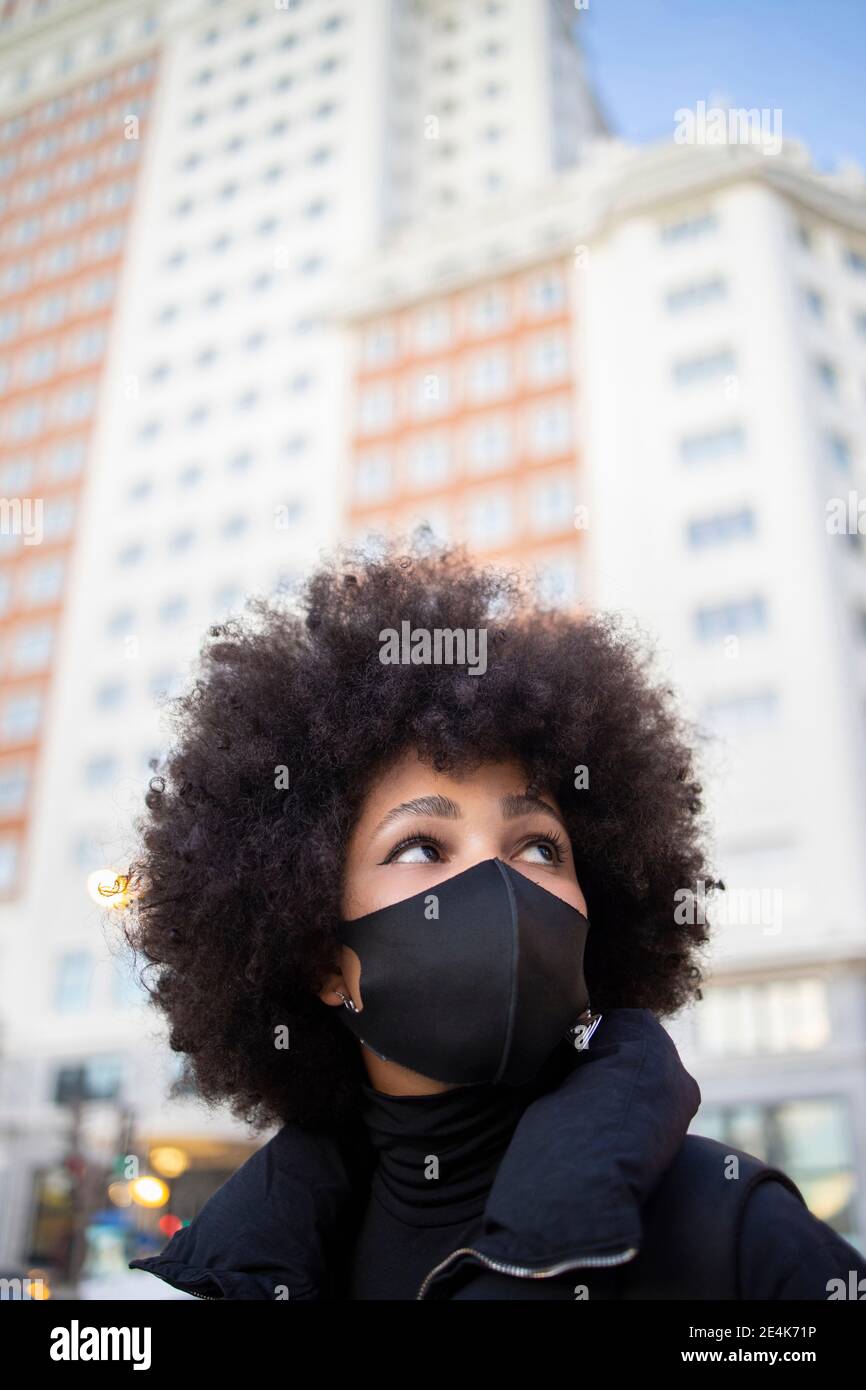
[439,1152]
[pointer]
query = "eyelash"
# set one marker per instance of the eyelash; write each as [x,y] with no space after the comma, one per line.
[547,838]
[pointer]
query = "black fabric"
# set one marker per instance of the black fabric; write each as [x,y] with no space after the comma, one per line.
[437,1157]
[478,981]
[707,1237]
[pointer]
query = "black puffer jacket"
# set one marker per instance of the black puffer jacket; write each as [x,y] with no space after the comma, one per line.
[601,1193]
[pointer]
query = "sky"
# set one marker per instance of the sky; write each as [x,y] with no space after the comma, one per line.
[807,58]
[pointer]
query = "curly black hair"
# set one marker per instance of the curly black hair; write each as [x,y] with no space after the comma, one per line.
[236,887]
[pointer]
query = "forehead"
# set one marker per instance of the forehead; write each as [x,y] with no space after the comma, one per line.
[408,777]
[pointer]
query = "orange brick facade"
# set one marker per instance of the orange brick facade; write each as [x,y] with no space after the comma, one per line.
[68,171]
[466,417]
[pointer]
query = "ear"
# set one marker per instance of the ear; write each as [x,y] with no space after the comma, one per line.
[328,992]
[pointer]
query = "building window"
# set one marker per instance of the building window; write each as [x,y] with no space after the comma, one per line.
[546,294]
[696,295]
[489,445]
[839,451]
[73,982]
[21,717]
[9,850]
[99,1078]
[181,540]
[552,505]
[717,444]
[58,518]
[488,376]
[721,530]
[740,713]
[190,475]
[31,650]
[550,429]
[99,771]
[373,477]
[559,581]
[827,374]
[810,1139]
[489,311]
[813,302]
[149,430]
[227,599]
[490,520]
[130,554]
[120,623]
[65,460]
[735,618]
[376,409]
[43,582]
[688,228]
[380,344]
[432,328]
[781,1016]
[548,358]
[110,695]
[164,684]
[172,609]
[429,462]
[693,371]
[14,784]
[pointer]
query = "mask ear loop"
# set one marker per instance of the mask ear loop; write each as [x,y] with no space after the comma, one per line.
[584,1028]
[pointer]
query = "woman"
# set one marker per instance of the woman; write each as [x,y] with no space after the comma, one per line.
[408,887]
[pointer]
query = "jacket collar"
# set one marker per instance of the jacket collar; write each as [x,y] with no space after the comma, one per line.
[569,1191]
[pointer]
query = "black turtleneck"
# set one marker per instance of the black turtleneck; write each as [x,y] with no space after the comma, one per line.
[438,1156]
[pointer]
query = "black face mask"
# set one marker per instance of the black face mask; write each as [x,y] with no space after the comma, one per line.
[475,980]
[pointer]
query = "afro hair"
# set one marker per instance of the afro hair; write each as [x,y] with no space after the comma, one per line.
[289,715]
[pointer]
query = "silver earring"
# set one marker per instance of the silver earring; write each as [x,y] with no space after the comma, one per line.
[348,1003]
[584,1030]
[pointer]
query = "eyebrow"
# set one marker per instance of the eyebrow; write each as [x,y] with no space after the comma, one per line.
[444,808]
[514,806]
[441,806]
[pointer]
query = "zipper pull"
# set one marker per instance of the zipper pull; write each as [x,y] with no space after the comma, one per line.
[584,1029]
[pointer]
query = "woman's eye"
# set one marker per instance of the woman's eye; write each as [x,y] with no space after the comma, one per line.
[415,854]
[542,852]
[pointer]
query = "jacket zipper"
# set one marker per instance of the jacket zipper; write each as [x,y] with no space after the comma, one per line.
[212,1296]
[519,1272]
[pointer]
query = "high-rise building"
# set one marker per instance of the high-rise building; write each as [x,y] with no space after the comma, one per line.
[185,422]
[726,386]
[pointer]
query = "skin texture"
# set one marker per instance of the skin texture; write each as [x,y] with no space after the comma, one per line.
[381,868]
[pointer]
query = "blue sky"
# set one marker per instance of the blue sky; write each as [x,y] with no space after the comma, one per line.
[806,57]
